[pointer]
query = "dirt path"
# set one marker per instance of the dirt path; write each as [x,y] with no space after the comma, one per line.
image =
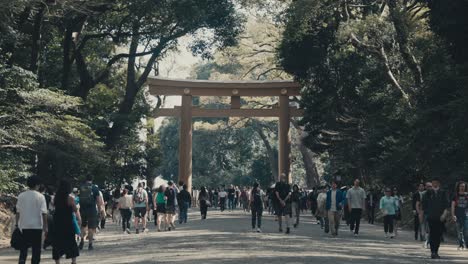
[226,238]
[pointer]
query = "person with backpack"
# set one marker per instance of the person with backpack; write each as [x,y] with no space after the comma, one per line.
[90,202]
[170,194]
[140,207]
[256,206]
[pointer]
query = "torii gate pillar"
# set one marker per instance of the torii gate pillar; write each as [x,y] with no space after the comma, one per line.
[185,142]
[284,140]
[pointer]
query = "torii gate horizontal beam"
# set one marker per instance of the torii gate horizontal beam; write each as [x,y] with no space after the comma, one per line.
[158,86]
[203,112]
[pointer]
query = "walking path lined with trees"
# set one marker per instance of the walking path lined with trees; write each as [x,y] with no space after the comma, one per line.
[227,238]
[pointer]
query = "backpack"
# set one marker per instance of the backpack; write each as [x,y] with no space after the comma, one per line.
[86,196]
[257,199]
[138,196]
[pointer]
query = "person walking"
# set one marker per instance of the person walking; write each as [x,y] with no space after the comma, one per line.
[436,204]
[321,212]
[203,199]
[356,197]
[460,213]
[140,207]
[90,204]
[283,203]
[389,208]
[256,206]
[222,199]
[184,199]
[124,205]
[31,219]
[423,216]
[295,204]
[64,242]
[417,197]
[334,206]
[160,202]
[399,202]
[371,203]
[170,194]
[231,197]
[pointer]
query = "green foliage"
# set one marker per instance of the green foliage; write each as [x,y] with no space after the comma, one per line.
[357,63]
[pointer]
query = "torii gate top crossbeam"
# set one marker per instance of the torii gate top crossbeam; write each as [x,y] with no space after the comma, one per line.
[159,86]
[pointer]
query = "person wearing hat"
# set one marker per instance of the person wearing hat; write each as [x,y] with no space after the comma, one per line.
[389,208]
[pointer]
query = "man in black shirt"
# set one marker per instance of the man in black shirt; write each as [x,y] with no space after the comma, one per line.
[283,202]
[184,198]
[435,204]
[417,197]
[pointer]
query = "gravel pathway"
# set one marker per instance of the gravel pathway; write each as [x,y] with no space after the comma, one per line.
[227,238]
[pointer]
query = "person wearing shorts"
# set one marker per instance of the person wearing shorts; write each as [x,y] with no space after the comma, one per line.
[90,202]
[140,206]
[283,202]
[160,202]
[170,195]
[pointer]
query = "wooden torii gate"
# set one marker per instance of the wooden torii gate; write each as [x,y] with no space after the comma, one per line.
[189,88]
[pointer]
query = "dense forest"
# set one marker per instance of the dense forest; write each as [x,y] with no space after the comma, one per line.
[385,89]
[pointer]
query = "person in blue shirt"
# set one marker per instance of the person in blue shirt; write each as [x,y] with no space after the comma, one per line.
[389,208]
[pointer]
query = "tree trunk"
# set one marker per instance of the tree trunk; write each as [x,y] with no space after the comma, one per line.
[36,37]
[308,157]
[270,152]
[402,32]
[67,62]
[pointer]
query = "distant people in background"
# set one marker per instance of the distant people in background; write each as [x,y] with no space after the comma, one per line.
[90,205]
[215,198]
[389,208]
[303,203]
[222,199]
[31,219]
[115,213]
[231,197]
[244,197]
[436,204]
[371,203]
[140,207]
[334,204]
[64,242]
[283,203]
[423,215]
[184,199]
[150,203]
[460,213]
[321,212]
[356,198]
[160,202]
[415,203]
[124,205]
[399,202]
[346,213]
[256,207]
[203,199]
[295,204]
[236,197]
[170,194]
[312,200]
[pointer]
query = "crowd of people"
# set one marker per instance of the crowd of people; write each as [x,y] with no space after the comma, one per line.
[71,216]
